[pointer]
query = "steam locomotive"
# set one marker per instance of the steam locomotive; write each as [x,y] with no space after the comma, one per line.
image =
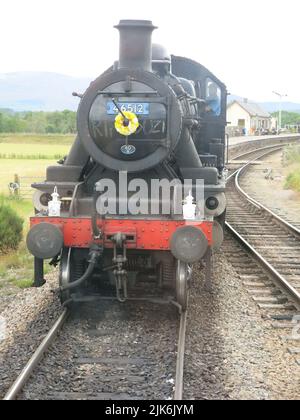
[141,195]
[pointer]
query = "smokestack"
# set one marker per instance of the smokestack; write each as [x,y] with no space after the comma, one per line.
[135,44]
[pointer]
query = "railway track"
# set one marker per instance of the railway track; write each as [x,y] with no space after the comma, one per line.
[119,371]
[115,352]
[250,147]
[275,244]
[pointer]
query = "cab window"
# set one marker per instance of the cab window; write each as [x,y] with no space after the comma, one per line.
[213,98]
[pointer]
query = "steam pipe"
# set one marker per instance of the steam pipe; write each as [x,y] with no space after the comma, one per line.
[96,231]
[78,155]
[95,254]
[82,279]
[186,153]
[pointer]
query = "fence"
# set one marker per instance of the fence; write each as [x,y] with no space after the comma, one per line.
[21,186]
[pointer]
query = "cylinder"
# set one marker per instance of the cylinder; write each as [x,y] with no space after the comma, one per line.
[135,44]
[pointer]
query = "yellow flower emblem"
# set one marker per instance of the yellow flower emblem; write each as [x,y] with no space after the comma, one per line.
[126,128]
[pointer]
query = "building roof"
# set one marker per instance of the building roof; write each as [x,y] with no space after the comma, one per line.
[253,109]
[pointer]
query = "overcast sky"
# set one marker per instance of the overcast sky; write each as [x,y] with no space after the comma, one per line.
[251,45]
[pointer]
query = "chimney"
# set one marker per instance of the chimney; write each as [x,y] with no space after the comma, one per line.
[135,44]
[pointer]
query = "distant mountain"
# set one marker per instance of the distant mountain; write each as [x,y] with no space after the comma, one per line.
[6,111]
[286,106]
[44,91]
[40,91]
[269,106]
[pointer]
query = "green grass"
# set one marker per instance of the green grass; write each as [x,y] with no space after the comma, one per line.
[11,227]
[292,155]
[34,169]
[29,155]
[292,161]
[16,268]
[37,139]
[22,207]
[293,180]
[23,284]
[33,151]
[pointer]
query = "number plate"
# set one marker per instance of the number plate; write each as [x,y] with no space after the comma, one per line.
[141,108]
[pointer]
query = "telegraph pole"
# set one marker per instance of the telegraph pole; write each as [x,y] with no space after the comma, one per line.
[280,107]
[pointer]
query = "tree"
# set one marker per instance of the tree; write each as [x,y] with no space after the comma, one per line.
[38,122]
[288,118]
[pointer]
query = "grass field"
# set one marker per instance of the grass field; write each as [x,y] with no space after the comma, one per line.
[32,151]
[33,146]
[16,268]
[22,167]
[57,139]
[28,155]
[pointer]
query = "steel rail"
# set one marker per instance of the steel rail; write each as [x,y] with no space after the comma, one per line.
[244,166]
[267,266]
[250,152]
[178,393]
[293,229]
[283,141]
[26,373]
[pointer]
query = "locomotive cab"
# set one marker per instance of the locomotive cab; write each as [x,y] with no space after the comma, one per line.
[141,196]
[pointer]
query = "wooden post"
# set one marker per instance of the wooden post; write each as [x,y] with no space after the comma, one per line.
[17,182]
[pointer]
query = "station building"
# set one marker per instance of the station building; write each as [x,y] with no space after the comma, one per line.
[248,118]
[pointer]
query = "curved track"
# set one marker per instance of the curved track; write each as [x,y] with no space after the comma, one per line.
[272,240]
[273,243]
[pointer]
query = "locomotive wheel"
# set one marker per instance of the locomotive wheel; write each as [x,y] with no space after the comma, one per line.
[65,274]
[71,269]
[182,277]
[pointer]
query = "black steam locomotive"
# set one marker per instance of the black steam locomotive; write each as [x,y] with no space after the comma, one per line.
[141,195]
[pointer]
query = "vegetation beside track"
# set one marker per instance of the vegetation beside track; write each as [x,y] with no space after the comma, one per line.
[26,155]
[292,161]
[15,261]
[11,227]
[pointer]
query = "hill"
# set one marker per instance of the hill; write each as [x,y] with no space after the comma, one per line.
[269,106]
[40,91]
[45,91]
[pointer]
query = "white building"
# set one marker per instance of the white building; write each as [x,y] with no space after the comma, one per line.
[248,117]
